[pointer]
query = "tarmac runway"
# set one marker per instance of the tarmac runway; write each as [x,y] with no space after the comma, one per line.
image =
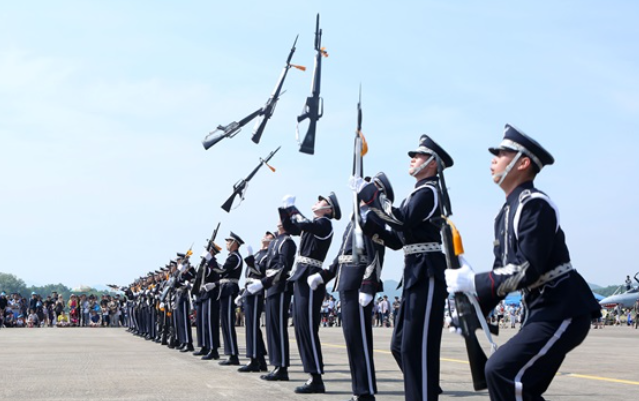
[112,364]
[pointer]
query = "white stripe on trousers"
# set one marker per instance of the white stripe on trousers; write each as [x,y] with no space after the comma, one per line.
[429,305]
[255,323]
[186,324]
[209,324]
[231,327]
[519,386]
[282,327]
[366,355]
[311,299]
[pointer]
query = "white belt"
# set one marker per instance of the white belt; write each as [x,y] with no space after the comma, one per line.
[250,280]
[424,247]
[551,275]
[348,259]
[229,281]
[309,261]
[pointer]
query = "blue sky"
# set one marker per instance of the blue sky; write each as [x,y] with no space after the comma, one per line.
[104,105]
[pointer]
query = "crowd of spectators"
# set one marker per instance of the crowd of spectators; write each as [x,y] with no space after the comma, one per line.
[384,312]
[54,311]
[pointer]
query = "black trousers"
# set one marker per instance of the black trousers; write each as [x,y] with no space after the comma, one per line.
[523,368]
[253,307]
[199,323]
[358,334]
[227,312]
[277,329]
[211,324]
[183,321]
[416,341]
[306,312]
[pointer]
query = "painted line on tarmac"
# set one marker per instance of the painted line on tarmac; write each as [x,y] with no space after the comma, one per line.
[390,353]
[599,378]
[579,376]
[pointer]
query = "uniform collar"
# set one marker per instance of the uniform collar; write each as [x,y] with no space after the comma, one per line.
[426,180]
[514,195]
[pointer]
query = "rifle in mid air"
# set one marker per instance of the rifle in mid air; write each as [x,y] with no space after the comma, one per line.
[314,106]
[264,113]
[240,187]
[267,111]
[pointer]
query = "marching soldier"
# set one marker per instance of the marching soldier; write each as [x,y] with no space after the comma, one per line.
[253,307]
[421,314]
[229,288]
[315,239]
[279,261]
[530,255]
[357,285]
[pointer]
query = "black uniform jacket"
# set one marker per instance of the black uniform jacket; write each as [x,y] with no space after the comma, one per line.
[529,242]
[279,262]
[232,270]
[315,239]
[416,220]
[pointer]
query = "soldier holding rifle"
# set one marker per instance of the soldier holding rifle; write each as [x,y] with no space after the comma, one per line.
[416,339]
[530,255]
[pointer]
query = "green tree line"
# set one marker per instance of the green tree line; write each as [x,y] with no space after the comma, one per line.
[10,283]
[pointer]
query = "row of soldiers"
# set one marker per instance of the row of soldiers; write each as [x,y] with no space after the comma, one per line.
[530,255]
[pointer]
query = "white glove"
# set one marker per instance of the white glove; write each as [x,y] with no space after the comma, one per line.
[255,287]
[356,183]
[206,255]
[453,324]
[288,201]
[462,279]
[365,299]
[209,286]
[238,300]
[314,281]
[249,249]
[180,267]
[161,305]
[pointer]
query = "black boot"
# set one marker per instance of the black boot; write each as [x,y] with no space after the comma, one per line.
[202,351]
[279,374]
[262,362]
[252,366]
[187,348]
[314,385]
[211,355]
[233,360]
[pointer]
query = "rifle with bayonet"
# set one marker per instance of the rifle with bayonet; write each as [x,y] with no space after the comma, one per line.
[267,111]
[359,150]
[240,187]
[314,107]
[228,131]
[469,315]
